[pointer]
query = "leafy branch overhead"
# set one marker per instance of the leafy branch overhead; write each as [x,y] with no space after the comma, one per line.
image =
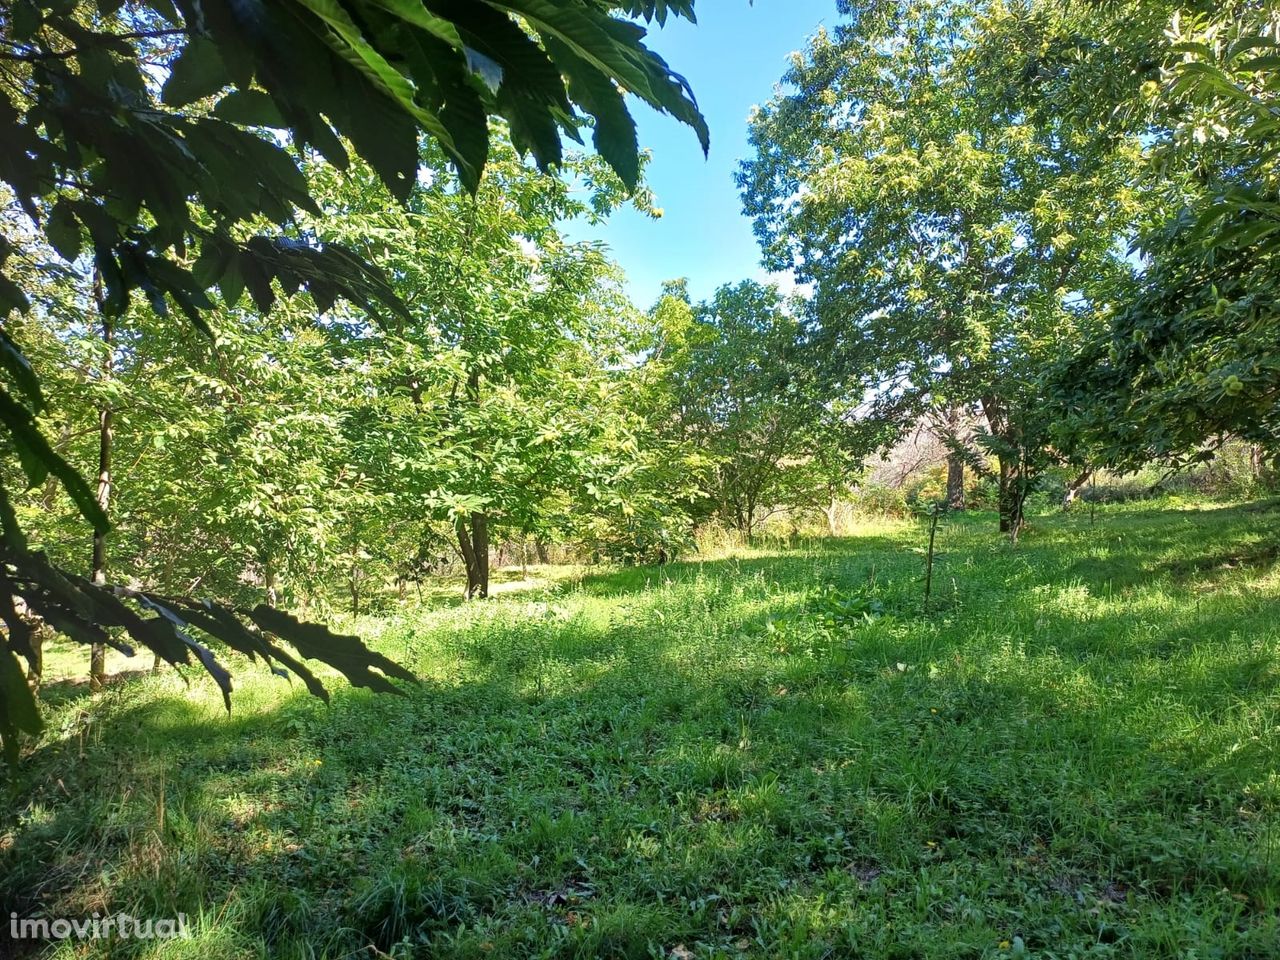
[87,612]
[84,122]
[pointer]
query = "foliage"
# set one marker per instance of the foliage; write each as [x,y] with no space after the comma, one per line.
[509,398]
[879,501]
[741,390]
[960,226]
[1192,359]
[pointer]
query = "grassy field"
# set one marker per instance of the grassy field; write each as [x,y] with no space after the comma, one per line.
[1074,752]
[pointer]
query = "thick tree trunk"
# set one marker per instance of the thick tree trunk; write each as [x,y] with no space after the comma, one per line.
[540,548]
[1007,497]
[480,540]
[98,652]
[831,513]
[473,542]
[955,482]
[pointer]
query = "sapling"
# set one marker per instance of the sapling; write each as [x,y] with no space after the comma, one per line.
[934,513]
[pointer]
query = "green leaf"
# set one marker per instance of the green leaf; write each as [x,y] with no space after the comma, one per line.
[39,460]
[63,230]
[17,704]
[615,131]
[347,40]
[197,72]
[211,265]
[12,297]
[413,11]
[614,48]
[231,284]
[26,19]
[19,369]
[385,136]
[258,282]
[250,108]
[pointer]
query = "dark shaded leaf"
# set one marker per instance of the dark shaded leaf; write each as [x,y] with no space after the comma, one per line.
[196,73]
[346,654]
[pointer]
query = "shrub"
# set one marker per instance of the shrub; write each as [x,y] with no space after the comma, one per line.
[929,486]
[881,501]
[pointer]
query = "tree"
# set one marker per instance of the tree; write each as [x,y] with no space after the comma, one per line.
[959,226]
[742,393]
[179,187]
[1191,358]
[497,383]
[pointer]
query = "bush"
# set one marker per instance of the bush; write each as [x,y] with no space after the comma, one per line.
[1233,475]
[881,501]
[928,486]
[642,538]
[983,494]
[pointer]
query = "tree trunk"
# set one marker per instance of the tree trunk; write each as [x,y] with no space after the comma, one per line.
[1012,491]
[480,541]
[35,669]
[955,482]
[98,652]
[1010,507]
[269,582]
[1074,487]
[831,512]
[540,548]
[473,542]
[1013,499]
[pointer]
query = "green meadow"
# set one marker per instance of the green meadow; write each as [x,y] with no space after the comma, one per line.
[1070,751]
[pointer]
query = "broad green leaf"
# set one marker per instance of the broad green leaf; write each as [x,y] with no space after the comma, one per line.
[197,72]
[17,704]
[39,460]
[251,108]
[63,230]
[16,365]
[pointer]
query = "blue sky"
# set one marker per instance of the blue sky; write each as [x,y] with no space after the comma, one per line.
[733,58]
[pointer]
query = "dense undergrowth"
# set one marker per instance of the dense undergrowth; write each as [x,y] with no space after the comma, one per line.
[1072,753]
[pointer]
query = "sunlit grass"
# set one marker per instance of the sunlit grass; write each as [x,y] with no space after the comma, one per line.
[1072,753]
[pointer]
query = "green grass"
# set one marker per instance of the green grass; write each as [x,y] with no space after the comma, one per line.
[1072,754]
